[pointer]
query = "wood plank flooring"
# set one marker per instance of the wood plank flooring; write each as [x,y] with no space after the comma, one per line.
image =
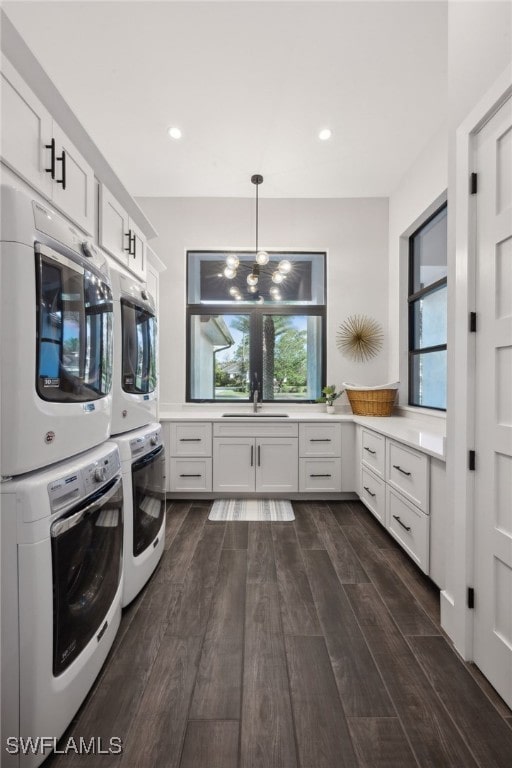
[313,644]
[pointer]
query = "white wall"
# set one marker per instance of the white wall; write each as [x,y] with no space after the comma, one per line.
[421,190]
[354,232]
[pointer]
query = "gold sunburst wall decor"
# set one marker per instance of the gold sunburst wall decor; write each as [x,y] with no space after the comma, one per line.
[359,337]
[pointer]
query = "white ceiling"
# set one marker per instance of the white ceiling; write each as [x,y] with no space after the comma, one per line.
[250,84]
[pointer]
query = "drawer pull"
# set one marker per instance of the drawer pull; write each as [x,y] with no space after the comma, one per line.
[190,439]
[320,440]
[190,475]
[252,455]
[368,491]
[320,475]
[370,450]
[407,527]
[396,466]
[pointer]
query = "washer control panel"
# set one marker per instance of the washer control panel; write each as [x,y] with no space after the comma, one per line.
[99,472]
[146,443]
[76,485]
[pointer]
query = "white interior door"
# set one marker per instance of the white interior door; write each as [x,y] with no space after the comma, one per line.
[493,437]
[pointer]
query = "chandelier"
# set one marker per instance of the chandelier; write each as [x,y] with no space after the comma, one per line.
[261,268]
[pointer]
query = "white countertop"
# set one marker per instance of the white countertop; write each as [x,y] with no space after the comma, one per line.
[426,437]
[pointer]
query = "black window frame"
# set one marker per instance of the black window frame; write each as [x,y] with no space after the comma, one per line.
[413,298]
[256,313]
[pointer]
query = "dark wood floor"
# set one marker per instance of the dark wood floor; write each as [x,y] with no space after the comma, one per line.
[313,644]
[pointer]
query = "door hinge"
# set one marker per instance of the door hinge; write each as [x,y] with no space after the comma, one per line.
[472,322]
[472,460]
[473,185]
[471,597]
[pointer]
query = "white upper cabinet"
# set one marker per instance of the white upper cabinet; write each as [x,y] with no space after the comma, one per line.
[38,151]
[120,236]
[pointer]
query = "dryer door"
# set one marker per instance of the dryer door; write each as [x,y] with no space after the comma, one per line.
[87,566]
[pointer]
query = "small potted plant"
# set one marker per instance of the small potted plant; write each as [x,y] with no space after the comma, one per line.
[329,396]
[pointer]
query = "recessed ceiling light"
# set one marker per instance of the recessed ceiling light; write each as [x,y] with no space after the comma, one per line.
[325,134]
[174,132]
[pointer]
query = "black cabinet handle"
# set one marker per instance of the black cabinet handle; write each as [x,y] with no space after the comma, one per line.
[252,455]
[395,466]
[368,491]
[134,243]
[259,455]
[129,236]
[320,440]
[190,439]
[62,159]
[407,527]
[51,169]
[190,475]
[320,475]
[370,450]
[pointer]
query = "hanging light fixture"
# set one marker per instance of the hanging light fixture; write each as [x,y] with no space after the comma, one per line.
[233,265]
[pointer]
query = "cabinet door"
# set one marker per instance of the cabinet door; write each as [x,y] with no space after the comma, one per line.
[114,228]
[73,188]
[137,255]
[26,130]
[277,465]
[233,464]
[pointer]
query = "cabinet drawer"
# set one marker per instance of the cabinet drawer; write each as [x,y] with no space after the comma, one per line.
[409,526]
[191,438]
[191,474]
[373,450]
[318,439]
[322,475]
[373,494]
[407,472]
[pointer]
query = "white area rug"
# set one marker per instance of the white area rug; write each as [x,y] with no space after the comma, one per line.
[264,510]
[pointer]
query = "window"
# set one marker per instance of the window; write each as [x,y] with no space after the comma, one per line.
[271,339]
[428,313]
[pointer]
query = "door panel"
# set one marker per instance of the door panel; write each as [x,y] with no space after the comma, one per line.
[233,464]
[493,422]
[277,465]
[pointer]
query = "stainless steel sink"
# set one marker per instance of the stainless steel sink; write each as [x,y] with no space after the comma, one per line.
[254,415]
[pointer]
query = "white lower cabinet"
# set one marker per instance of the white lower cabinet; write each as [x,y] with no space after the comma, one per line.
[395,484]
[252,464]
[320,457]
[189,447]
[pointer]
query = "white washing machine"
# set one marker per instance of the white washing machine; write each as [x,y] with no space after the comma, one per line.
[134,388]
[143,466]
[62,539]
[57,315]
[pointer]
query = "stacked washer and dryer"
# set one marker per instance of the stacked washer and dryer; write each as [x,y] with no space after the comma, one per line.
[64,514]
[135,431]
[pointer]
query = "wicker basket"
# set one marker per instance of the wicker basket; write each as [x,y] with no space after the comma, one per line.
[372,402]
